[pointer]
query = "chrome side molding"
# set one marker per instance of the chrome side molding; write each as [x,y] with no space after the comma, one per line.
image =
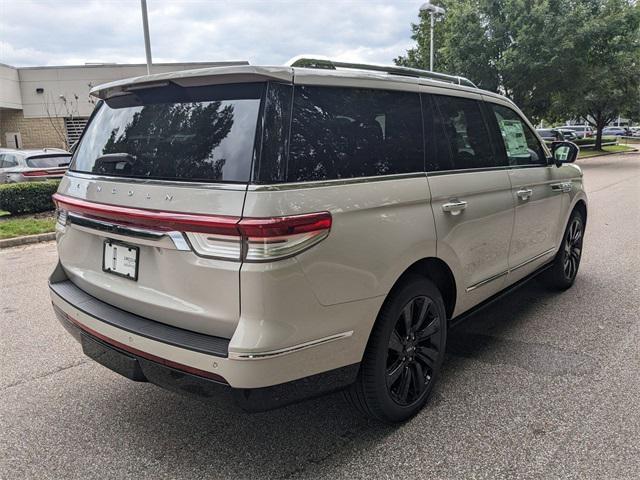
[288,350]
[512,269]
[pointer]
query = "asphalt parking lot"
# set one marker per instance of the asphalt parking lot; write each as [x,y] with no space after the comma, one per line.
[539,385]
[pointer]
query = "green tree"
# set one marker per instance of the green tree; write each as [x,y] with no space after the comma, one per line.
[546,55]
[607,72]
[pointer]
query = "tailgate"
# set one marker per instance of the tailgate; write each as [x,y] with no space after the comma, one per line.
[174,285]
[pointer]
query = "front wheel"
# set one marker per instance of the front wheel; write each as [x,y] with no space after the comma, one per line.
[404,355]
[564,269]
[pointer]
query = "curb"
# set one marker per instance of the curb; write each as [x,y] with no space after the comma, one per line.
[609,153]
[27,239]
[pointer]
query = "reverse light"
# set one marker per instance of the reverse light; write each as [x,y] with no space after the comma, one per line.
[216,236]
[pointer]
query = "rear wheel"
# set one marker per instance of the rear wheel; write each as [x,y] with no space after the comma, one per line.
[403,358]
[564,269]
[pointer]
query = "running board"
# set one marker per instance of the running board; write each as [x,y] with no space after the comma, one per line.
[454,322]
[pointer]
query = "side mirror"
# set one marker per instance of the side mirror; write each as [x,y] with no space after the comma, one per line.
[564,152]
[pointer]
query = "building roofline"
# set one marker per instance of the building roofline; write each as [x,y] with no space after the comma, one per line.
[106,64]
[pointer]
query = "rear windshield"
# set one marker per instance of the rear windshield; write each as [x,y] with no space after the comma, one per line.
[50,161]
[174,133]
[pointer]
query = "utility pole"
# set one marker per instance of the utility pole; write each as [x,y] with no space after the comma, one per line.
[147,41]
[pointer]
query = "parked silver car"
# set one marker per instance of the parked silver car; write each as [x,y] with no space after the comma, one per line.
[271,233]
[32,165]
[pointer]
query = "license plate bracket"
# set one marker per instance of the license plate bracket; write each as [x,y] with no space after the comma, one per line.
[120,259]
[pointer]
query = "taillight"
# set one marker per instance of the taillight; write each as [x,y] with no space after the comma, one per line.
[216,236]
[35,173]
[265,239]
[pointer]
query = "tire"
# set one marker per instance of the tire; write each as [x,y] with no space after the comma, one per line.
[403,358]
[562,273]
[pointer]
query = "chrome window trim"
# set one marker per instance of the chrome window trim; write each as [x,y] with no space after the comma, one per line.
[288,350]
[167,183]
[331,183]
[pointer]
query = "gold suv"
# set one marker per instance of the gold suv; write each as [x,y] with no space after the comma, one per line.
[273,233]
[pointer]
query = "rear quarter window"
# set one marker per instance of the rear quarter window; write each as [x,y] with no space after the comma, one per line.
[352,132]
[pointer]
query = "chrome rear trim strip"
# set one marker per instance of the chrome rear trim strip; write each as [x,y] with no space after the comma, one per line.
[117,229]
[288,350]
[167,183]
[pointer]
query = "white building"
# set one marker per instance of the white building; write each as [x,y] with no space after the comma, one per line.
[49,106]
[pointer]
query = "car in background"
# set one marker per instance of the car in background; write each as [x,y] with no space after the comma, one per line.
[615,131]
[32,165]
[635,131]
[551,134]
[569,135]
[581,131]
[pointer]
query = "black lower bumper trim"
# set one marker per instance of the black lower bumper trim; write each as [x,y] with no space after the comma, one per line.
[144,327]
[141,369]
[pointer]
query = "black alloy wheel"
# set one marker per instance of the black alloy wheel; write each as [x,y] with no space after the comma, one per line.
[564,269]
[414,349]
[572,248]
[404,355]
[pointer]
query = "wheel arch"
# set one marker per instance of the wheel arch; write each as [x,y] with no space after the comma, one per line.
[581,206]
[436,270]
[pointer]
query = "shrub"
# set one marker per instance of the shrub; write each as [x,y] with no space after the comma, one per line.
[28,197]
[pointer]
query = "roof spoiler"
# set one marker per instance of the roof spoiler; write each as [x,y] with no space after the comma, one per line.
[319,62]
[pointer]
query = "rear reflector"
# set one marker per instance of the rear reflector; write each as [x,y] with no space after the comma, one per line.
[218,236]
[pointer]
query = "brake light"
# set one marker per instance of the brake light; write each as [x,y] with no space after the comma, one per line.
[217,236]
[265,239]
[35,173]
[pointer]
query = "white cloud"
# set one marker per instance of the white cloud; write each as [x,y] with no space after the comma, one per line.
[47,32]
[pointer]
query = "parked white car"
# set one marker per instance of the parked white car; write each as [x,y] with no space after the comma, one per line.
[32,165]
[272,233]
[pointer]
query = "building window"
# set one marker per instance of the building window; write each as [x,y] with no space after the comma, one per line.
[74,128]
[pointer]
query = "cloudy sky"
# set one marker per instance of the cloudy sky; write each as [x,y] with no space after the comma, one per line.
[67,32]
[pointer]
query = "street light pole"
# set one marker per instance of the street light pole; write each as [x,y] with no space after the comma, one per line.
[433,25]
[147,41]
[433,11]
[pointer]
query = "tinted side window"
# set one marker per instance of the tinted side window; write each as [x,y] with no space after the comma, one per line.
[8,161]
[465,132]
[520,143]
[351,132]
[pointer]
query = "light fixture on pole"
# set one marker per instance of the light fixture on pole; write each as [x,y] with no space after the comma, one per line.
[433,11]
[145,28]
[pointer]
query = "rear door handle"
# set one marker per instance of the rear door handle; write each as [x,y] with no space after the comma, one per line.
[524,193]
[564,187]
[454,207]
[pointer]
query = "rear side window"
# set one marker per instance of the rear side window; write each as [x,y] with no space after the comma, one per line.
[8,161]
[351,132]
[174,133]
[520,143]
[51,161]
[461,134]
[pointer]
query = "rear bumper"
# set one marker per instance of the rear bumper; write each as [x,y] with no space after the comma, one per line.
[177,358]
[141,369]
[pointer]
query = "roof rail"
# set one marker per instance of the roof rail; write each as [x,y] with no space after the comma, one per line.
[328,64]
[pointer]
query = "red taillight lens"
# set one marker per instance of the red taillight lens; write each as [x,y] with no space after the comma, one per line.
[35,173]
[218,236]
